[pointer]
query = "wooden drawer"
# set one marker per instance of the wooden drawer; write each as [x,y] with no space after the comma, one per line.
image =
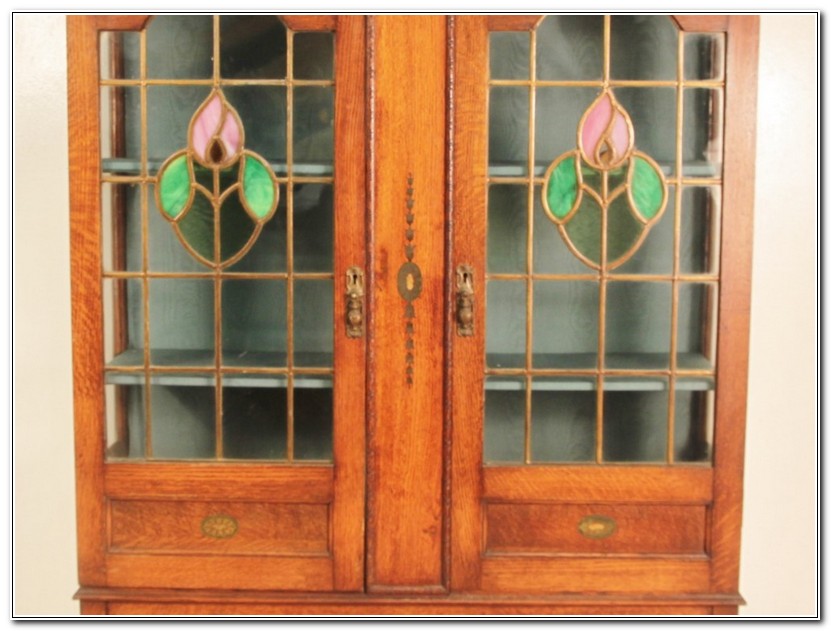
[595,529]
[219,527]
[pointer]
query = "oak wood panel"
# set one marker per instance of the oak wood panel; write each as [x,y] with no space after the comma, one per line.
[263,597]
[734,296]
[405,423]
[702,23]
[421,609]
[303,573]
[85,266]
[534,575]
[311,22]
[682,485]
[468,213]
[554,528]
[351,218]
[94,608]
[116,22]
[514,22]
[266,529]
[313,484]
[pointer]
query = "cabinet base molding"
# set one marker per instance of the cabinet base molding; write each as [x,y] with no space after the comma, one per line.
[108,601]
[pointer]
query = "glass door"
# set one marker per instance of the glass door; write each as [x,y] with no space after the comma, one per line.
[232,250]
[586,381]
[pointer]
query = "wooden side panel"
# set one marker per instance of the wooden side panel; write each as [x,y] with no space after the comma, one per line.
[85,264]
[219,527]
[734,299]
[406,422]
[468,214]
[348,508]
[631,529]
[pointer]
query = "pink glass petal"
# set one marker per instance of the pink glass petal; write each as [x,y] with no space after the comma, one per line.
[594,125]
[620,135]
[205,126]
[231,135]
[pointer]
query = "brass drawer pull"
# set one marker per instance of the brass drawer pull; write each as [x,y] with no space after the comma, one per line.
[219,526]
[597,526]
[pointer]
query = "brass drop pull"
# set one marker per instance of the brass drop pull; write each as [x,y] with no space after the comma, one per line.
[464,301]
[597,526]
[354,302]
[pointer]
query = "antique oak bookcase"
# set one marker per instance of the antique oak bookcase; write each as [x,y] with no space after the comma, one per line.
[410,314]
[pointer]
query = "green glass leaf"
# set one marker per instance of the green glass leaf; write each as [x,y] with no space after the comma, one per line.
[197,227]
[623,229]
[174,187]
[562,188]
[584,229]
[258,187]
[236,227]
[647,188]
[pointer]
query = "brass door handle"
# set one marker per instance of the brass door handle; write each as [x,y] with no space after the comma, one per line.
[354,302]
[464,301]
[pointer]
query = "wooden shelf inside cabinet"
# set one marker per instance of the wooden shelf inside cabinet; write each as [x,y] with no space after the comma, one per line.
[695,170]
[248,370]
[131,167]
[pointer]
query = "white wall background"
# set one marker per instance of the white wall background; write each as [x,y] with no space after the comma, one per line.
[779,558]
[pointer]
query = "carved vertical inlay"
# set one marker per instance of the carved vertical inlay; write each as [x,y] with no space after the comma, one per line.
[409,282]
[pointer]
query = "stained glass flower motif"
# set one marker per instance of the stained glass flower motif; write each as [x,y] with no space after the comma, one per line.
[216,194]
[605,177]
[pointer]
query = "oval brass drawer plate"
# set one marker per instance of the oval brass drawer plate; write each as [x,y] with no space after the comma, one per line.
[219,526]
[597,526]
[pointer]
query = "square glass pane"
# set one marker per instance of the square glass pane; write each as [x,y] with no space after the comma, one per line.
[262,110]
[120,227]
[182,322]
[504,419]
[314,55]
[563,419]
[507,228]
[655,252]
[551,254]
[508,131]
[183,420]
[635,419]
[644,47]
[254,423]
[121,130]
[314,113]
[566,324]
[700,234]
[509,55]
[697,315]
[252,47]
[125,418]
[254,328]
[313,413]
[638,318]
[654,113]
[704,56]
[313,323]
[169,112]
[119,54]
[505,324]
[694,414]
[703,132]
[570,48]
[180,47]
[314,227]
[557,119]
[123,302]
